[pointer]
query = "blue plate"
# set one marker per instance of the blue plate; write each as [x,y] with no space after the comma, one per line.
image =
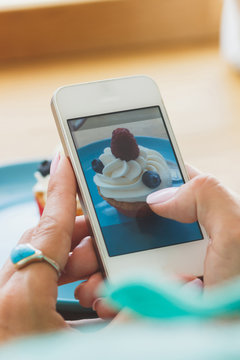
[18,212]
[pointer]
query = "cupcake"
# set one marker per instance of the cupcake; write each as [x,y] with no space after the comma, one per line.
[42,175]
[126,173]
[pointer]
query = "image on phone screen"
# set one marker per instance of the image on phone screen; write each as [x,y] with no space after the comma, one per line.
[125,156]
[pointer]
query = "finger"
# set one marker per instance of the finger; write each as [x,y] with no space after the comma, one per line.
[86,292]
[202,198]
[81,263]
[103,310]
[53,235]
[80,231]
[192,171]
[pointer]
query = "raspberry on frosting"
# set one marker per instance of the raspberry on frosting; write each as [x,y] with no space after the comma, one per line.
[124,145]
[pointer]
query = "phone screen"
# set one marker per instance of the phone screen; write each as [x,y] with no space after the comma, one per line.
[125,156]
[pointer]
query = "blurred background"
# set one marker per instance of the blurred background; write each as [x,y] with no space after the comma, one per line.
[190,47]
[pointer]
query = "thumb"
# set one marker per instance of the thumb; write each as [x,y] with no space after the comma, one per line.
[54,231]
[203,198]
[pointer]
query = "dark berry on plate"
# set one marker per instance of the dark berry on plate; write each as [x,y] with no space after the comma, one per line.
[97,166]
[151,179]
[124,145]
[44,168]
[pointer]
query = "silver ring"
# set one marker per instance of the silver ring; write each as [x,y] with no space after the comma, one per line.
[25,254]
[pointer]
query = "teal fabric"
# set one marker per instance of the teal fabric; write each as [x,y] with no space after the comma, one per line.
[172,323]
[164,299]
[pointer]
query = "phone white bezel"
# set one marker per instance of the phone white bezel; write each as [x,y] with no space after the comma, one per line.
[108,96]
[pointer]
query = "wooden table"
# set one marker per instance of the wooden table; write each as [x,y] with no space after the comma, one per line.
[201,94]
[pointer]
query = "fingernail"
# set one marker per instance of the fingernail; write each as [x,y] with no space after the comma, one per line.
[162,195]
[76,294]
[94,303]
[54,163]
[197,283]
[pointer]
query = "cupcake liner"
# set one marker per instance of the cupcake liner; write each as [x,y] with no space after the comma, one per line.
[39,197]
[131,209]
[40,200]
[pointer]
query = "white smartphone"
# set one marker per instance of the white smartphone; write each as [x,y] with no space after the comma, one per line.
[122,148]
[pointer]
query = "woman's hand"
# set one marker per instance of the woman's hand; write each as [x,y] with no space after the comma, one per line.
[205,199]
[28,296]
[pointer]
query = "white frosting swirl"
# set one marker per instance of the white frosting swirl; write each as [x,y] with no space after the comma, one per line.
[122,180]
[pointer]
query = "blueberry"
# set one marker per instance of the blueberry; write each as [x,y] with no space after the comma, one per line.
[44,167]
[97,166]
[151,179]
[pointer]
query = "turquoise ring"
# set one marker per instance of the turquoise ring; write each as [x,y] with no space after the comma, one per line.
[25,254]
